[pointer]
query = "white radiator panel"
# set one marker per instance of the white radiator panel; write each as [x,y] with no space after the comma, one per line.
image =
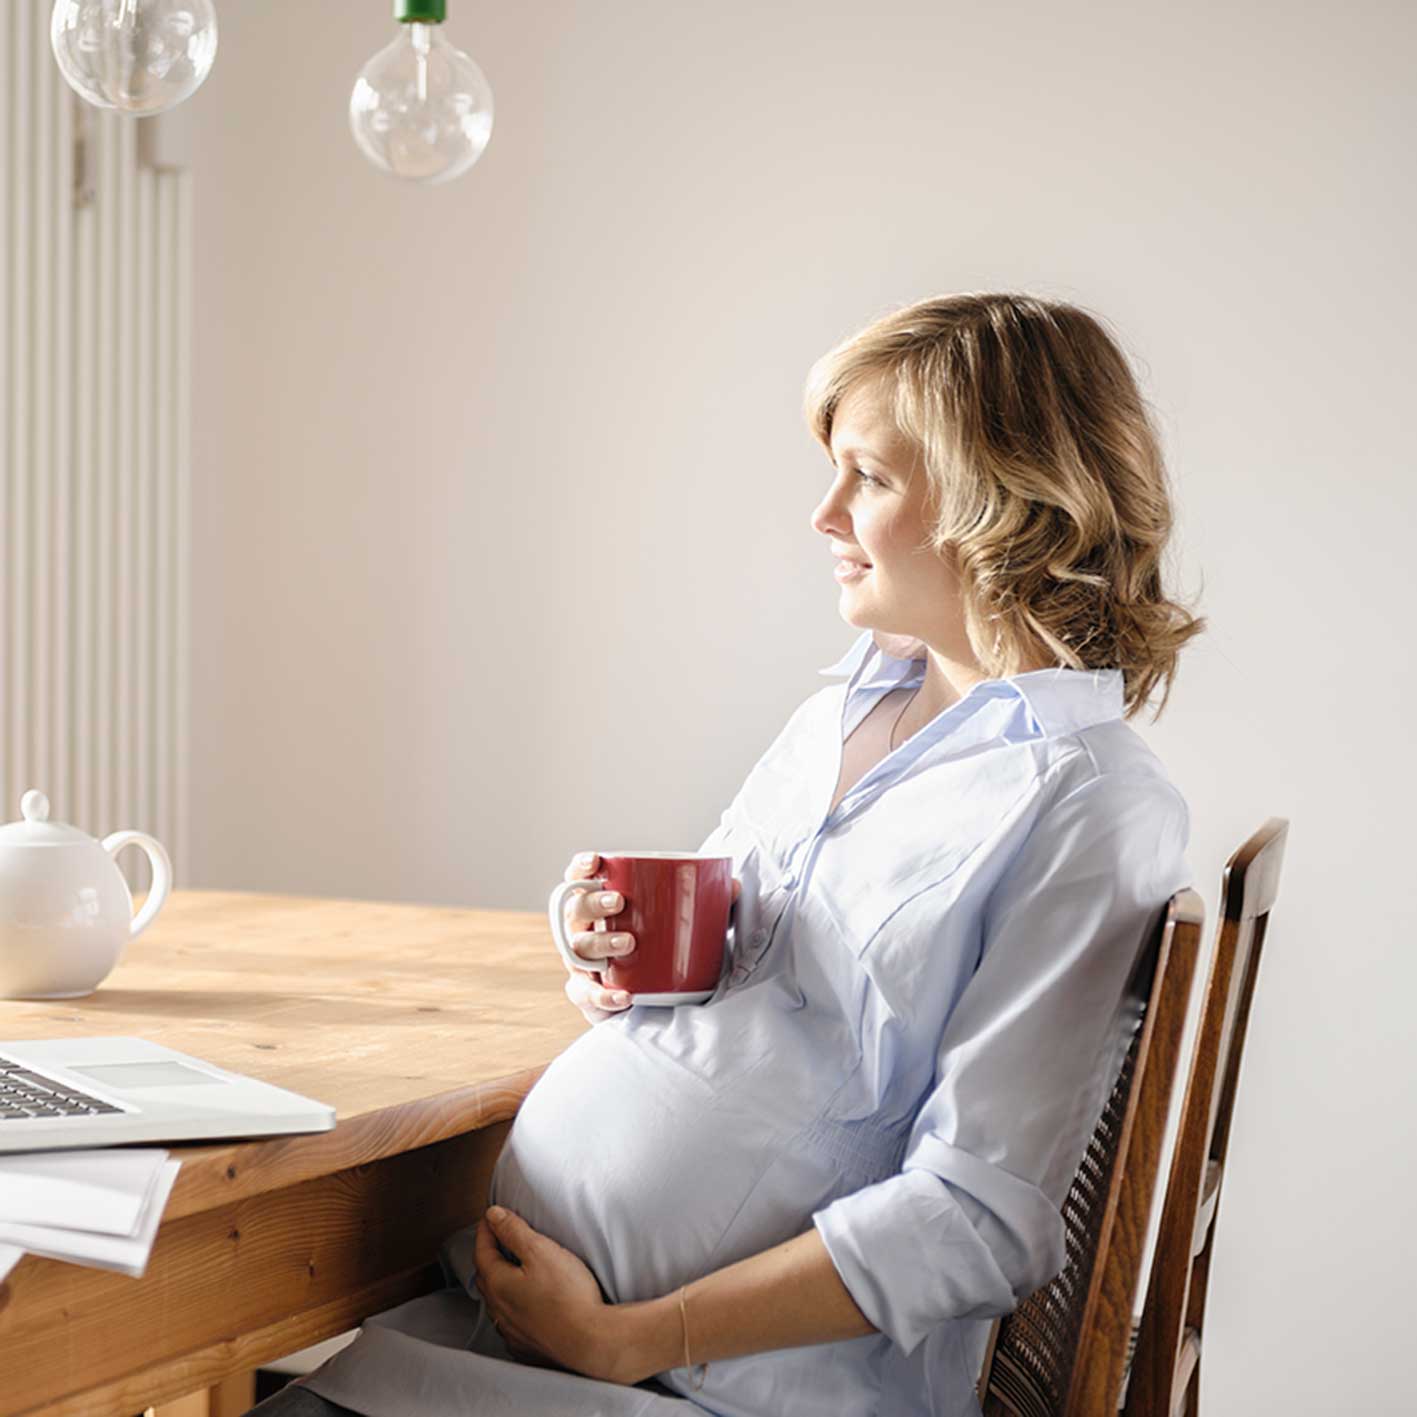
[95,309]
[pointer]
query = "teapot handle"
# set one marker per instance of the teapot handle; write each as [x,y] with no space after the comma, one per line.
[162,875]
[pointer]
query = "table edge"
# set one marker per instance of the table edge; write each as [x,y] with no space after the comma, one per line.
[216,1175]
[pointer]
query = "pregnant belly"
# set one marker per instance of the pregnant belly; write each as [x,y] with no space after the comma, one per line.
[634,1163]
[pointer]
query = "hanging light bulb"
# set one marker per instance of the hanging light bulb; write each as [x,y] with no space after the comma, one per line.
[421,109]
[138,56]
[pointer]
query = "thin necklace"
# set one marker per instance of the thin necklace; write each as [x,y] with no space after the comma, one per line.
[900,716]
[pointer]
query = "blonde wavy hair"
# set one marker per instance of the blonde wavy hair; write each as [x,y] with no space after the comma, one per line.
[1048,492]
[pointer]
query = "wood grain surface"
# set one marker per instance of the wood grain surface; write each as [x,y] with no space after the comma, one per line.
[422,1026]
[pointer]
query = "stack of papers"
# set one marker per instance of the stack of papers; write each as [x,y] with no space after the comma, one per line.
[98,1207]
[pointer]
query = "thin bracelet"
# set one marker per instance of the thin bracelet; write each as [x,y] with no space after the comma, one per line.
[684,1315]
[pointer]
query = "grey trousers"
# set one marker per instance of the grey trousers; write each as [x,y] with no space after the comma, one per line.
[296,1401]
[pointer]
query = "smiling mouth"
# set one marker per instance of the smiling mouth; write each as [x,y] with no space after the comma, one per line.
[850,570]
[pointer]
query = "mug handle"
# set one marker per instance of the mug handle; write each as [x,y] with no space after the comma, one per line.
[556,909]
[162,875]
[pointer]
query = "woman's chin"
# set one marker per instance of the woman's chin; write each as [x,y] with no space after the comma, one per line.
[895,643]
[899,646]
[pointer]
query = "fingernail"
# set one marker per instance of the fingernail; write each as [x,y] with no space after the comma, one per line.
[620,997]
[609,898]
[495,1212]
[585,858]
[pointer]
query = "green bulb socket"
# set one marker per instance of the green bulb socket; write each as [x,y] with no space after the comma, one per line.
[428,12]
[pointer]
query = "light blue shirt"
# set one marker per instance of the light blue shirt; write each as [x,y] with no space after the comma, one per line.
[920,1025]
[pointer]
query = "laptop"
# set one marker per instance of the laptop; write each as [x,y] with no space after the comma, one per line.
[72,1092]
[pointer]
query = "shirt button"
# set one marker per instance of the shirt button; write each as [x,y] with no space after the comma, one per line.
[788,882]
[760,937]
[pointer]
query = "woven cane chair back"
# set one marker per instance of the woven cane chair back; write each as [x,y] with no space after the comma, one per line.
[1061,1352]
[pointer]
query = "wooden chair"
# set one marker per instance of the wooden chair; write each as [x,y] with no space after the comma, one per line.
[1165,1376]
[1063,1351]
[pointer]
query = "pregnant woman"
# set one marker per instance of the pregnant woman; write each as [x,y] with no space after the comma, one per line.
[813,1193]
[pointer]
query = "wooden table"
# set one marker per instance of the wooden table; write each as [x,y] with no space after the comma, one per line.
[423,1027]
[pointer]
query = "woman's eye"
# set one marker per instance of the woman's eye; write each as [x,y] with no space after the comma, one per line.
[867,476]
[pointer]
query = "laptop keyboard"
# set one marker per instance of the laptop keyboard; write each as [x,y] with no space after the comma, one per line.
[25,1094]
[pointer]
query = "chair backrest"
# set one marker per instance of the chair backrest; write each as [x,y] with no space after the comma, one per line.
[1165,1374]
[1063,1351]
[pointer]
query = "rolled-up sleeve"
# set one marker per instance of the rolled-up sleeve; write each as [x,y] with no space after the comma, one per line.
[972,1223]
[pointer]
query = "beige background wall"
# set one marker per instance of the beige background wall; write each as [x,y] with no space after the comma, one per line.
[501,542]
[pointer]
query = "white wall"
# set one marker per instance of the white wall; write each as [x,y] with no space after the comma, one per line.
[502,488]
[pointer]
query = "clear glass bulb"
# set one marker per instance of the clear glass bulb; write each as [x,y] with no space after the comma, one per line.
[138,56]
[421,109]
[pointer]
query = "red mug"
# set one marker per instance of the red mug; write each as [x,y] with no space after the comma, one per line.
[676,905]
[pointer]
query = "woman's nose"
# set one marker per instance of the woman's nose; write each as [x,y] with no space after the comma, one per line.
[828,518]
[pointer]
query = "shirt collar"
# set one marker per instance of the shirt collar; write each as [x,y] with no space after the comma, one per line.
[1060,700]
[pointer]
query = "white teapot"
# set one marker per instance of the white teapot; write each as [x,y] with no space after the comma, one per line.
[65,910]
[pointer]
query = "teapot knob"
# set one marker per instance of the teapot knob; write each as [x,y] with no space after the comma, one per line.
[35,806]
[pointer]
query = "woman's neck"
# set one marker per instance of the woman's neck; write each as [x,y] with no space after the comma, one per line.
[946,682]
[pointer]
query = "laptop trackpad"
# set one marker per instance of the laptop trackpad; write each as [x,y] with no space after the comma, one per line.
[163,1074]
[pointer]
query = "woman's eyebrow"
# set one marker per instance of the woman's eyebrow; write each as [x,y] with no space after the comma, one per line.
[870,453]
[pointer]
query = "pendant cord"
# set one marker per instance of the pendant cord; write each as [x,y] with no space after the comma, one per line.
[900,716]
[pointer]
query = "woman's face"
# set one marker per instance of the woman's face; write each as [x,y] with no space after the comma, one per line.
[875,512]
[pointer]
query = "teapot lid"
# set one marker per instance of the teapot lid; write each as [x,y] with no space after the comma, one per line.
[36,829]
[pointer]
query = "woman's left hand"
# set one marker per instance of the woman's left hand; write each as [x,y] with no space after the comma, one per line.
[549,1309]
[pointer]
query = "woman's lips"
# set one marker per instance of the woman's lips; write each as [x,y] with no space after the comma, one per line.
[850,570]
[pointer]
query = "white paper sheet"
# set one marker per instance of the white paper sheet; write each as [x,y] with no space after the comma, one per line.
[10,1256]
[101,1189]
[126,1254]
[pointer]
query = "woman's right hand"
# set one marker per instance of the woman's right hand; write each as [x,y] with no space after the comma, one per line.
[582,910]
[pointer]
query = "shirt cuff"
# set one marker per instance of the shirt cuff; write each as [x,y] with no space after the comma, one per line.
[912,1252]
